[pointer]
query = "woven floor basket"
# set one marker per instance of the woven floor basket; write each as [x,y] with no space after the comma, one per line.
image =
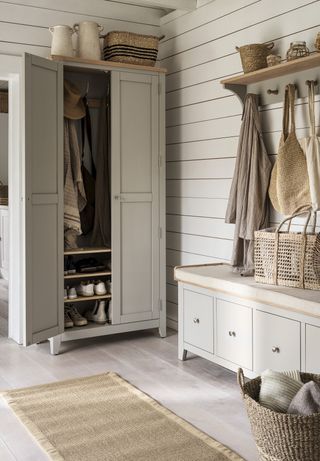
[131,48]
[254,57]
[281,436]
[289,259]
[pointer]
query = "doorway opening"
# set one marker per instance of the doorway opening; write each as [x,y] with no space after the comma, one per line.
[4,208]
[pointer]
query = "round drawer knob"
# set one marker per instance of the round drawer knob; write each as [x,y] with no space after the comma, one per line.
[196,320]
[276,350]
[232,333]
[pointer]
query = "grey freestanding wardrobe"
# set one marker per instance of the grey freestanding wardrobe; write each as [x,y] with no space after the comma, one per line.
[137,200]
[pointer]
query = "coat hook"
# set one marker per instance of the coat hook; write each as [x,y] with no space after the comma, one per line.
[308,82]
[273,91]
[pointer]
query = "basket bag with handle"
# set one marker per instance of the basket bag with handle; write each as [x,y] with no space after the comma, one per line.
[281,436]
[289,259]
[254,56]
[311,147]
[289,184]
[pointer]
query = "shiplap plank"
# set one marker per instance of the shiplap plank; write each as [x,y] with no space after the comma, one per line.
[212,148]
[201,169]
[170,276]
[204,246]
[180,258]
[172,311]
[96,8]
[202,92]
[172,294]
[16,49]
[216,108]
[210,208]
[205,227]
[198,188]
[237,22]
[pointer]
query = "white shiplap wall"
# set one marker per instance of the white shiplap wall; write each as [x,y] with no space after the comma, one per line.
[24,23]
[203,119]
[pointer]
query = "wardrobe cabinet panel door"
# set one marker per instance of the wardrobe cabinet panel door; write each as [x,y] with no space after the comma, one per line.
[44,199]
[276,342]
[312,349]
[135,191]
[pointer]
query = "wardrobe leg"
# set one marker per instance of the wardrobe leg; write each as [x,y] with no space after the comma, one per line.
[163,329]
[182,354]
[55,344]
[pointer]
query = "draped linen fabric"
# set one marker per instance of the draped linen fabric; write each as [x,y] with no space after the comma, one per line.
[74,193]
[248,200]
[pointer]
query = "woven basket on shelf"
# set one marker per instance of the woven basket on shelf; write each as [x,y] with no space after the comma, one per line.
[131,48]
[281,436]
[254,56]
[289,259]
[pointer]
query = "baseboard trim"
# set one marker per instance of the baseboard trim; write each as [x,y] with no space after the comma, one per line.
[173,324]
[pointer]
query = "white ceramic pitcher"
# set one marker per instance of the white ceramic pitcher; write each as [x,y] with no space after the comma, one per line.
[88,39]
[61,40]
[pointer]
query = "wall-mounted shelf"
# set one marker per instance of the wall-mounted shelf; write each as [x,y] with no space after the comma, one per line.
[85,251]
[87,275]
[275,78]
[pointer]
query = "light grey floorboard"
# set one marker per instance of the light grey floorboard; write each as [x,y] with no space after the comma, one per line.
[204,394]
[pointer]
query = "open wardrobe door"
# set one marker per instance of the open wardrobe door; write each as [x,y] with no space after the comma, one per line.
[43,94]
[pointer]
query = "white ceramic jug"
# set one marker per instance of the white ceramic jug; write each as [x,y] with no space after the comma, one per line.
[88,39]
[61,40]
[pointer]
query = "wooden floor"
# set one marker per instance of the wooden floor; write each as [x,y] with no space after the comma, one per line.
[204,394]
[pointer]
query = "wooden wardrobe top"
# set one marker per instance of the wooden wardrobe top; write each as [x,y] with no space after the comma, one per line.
[107,64]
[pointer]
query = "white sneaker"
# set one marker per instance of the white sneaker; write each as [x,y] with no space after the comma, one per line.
[65,293]
[77,319]
[68,323]
[72,294]
[85,289]
[100,288]
[98,313]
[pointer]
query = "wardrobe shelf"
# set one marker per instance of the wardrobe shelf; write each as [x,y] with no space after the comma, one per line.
[89,326]
[86,275]
[106,64]
[87,250]
[279,70]
[87,298]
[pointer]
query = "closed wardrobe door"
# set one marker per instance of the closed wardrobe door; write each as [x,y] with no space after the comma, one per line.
[135,192]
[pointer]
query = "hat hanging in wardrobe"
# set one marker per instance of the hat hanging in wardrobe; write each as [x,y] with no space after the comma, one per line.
[74,107]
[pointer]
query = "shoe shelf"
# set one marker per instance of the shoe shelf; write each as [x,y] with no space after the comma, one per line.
[87,298]
[87,275]
[85,251]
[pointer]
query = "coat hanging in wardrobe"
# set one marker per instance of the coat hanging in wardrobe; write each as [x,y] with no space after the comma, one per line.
[248,205]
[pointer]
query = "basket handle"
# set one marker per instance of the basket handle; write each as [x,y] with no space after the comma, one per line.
[270,45]
[241,380]
[290,218]
[238,49]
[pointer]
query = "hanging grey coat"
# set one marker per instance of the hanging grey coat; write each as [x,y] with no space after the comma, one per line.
[248,200]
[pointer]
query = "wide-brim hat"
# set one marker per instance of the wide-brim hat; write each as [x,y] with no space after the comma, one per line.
[74,107]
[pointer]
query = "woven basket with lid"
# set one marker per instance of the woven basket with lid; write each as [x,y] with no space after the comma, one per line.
[281,436]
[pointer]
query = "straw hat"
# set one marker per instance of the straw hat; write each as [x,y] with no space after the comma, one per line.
[74,107]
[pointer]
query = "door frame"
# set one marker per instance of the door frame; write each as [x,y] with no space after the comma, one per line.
[11,71]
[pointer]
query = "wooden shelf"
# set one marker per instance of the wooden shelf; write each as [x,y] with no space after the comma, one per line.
[87,275]
[280,70]
[87,298]
[85,251]
[106,64]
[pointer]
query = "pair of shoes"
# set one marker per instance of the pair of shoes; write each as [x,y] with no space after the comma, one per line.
[72,317]
[69,267]
[91,288]
[70,293]
[98,313]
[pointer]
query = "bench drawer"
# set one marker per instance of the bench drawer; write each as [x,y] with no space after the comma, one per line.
[276,343]
[198,320]
[234,333]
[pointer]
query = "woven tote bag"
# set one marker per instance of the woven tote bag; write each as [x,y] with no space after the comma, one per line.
[281,436]
[287,258]
[311,148]
[289,184]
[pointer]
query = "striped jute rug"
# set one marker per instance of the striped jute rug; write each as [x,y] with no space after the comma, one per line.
[105,418]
